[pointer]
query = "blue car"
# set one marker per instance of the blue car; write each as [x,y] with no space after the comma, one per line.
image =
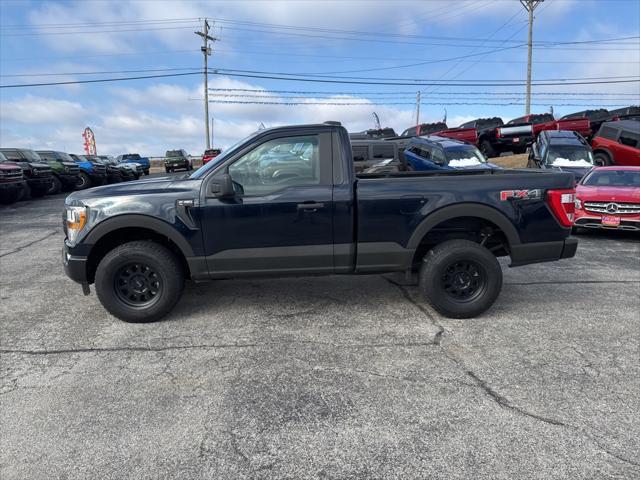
[91,173]
[440,153]
[135,158]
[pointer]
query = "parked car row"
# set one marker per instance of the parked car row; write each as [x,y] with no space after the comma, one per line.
[607,197]
[494,137]
[26,173]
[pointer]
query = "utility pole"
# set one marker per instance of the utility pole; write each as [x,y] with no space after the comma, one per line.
[418,108]
[529,6]
[206,50]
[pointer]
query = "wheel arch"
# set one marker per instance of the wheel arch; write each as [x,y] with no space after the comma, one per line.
[125,228]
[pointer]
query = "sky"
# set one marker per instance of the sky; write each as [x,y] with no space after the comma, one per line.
[332,60]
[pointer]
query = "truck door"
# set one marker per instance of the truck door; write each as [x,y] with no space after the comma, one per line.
[280,220]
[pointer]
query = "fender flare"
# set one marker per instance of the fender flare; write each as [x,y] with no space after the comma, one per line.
[138,221]
[464,210]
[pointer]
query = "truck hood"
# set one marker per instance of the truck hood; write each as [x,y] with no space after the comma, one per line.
[140,187]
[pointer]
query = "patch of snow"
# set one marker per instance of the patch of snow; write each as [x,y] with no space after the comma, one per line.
[464,162]
[565,162]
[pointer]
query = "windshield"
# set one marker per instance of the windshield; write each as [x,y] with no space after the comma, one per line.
[174,153]
[613,178]
[131,156]
[65,157]
[464,156]
[199,173]
[569,156]
[30,155]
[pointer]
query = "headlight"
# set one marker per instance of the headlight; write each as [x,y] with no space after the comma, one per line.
[66,169]
[76,220]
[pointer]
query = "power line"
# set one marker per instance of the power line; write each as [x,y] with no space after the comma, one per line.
[67,74]
[408,97]
[258,90]
[240,102]
[98,80]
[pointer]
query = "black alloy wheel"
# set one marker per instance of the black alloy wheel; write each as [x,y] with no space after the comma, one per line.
[138,285]
[464,280]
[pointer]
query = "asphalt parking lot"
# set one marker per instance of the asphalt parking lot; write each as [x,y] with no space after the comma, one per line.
[336,377]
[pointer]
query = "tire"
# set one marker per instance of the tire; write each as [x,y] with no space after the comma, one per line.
[25,193]
[464,261]
[487,149]
[134,261]
[146,172]
[167,170]
[602,159]
[84,181]
[56,186]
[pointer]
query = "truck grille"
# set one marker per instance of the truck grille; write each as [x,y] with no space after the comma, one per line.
[17,173]
[42,172]
[612,207]
[73,169]
[99,168]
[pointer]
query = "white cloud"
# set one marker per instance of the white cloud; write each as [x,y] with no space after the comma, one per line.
[32,109]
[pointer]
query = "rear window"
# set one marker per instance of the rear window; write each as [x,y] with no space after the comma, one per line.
[542,118]
[214,151]
[617,178]
[173,153]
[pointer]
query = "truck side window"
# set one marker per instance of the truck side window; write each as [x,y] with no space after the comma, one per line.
[277,164]
[383,151]
[360,153]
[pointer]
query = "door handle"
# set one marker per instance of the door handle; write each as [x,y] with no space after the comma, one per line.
[310,206]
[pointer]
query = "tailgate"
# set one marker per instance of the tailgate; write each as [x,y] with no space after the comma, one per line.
[466,134]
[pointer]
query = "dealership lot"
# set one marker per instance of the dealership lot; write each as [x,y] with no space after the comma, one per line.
[338,377]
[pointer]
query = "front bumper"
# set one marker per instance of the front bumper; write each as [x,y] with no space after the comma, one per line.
[527,253]
[7,188]
[627,224]
[75,265]
[184,164]
[40,183]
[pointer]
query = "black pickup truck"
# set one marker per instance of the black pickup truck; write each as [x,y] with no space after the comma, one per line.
[286,201]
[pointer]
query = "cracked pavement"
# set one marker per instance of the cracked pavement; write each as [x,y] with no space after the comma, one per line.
[324,377]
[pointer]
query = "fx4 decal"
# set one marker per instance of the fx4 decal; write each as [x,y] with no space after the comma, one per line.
[521,194]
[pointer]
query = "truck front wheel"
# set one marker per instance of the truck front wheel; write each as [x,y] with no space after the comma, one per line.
[487,149]
[139,281]
[460,278]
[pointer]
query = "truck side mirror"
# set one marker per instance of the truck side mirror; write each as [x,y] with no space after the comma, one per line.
[222,186]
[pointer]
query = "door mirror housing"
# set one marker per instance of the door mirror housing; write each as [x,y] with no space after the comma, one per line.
[221,186]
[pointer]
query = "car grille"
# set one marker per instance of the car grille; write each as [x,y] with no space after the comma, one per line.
[42,172]
[612,207]
[99,168]
[17,173]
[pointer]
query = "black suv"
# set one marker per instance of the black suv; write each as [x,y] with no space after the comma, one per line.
[37,173]
[561,150]
[177,159]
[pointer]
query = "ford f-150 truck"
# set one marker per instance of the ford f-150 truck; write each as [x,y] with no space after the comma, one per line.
[286,201]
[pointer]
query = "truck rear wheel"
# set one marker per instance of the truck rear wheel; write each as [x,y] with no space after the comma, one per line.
[460,278]
[487,149]
[139,281]
[602,159]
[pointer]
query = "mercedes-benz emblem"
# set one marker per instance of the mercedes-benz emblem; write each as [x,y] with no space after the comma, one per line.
[612,208]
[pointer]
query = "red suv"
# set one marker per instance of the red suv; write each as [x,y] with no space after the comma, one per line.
[609,197]
[617,143]
[210,155]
